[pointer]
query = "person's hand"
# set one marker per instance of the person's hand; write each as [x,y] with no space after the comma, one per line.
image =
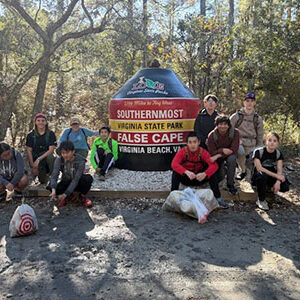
[98,170]
[259,169]
[190,174]
[35,171]
[105,153]
[201,176]
[276,187]
[53,194]
[62,197]
[280,177]
[241,142]
[227,151]
[10,187]
[215,157]
[36,163]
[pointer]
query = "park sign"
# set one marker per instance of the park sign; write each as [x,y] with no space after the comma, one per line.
[150,117]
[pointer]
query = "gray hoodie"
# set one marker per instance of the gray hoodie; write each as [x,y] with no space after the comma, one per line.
[71,171]
[11,171]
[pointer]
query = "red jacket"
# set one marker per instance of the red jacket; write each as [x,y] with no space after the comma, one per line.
[180,163]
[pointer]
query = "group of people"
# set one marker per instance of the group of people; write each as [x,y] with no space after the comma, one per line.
[219,143]
[70,162]
[213,150]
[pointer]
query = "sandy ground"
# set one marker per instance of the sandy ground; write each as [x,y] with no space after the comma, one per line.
[131,249]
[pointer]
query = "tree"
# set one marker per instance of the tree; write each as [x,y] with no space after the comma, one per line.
[50,45]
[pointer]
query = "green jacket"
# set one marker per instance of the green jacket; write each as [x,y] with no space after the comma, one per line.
[98,143]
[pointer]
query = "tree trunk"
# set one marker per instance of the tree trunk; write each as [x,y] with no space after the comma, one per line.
[202,53]
[230,61]
[41,87]
[145,32]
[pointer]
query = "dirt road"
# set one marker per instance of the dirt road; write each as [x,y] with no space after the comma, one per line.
[133,250]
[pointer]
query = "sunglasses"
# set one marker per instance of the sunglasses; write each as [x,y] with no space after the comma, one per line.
[74,124]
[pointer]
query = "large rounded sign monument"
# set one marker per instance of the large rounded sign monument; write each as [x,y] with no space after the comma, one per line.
[150,117]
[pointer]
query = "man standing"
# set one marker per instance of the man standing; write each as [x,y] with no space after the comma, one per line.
[251,129]
[223,144]
[205,121]
[192,167]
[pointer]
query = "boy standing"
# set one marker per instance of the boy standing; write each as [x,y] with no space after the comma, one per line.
[73,179]
[251,129]
[104,152]
[192,167]
[205,121]
[223,144]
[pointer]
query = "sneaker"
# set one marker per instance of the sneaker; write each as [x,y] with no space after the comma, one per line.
[222,203]
[86,201]
[262,204]
[232,189]
[72,198]
[62,203]
[101,178]
[241,176]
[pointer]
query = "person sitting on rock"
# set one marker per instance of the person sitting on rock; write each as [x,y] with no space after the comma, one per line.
[73,179]
[104,152]
[40,146]
[12,172]
[205,121]
[223,143]
[78,136]
[251,129]
[192,167]
[268,171]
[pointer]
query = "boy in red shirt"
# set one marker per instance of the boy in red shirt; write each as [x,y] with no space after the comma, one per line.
[192,167]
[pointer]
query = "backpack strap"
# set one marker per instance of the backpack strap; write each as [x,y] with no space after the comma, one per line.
[187,155]
[85,138]
[46,137]
[240,119]
[68,134]
[109,143]
[255,122]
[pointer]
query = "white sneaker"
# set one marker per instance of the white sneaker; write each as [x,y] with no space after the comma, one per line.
[262,204]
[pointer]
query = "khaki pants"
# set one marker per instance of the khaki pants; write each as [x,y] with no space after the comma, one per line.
[46,168]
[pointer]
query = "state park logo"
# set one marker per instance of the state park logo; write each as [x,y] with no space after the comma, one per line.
[146,85]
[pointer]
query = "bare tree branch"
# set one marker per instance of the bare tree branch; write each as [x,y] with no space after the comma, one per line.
[16,5]
[79,34]
[63,18]
[87,13]
[37,12]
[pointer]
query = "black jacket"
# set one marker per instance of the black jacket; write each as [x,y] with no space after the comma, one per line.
[204,124]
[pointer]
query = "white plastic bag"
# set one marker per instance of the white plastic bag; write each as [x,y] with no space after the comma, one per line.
[23,221]
[195,203]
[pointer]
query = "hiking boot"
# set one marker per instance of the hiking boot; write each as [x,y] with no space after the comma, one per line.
[3,196]
[62,203]
[72,197]
[232,189]
[86,201]
[262,204]
[222,203]
[241,176]
[101,178]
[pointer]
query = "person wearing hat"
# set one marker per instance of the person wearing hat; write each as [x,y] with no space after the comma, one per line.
[104,152]
[205,121]
[251,128]
[40,146]
[78,136]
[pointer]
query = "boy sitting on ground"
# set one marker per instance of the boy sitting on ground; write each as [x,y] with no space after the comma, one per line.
[73,178]
[251,129]
[12,172]
[223,144]
[192,167]
[104,152]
